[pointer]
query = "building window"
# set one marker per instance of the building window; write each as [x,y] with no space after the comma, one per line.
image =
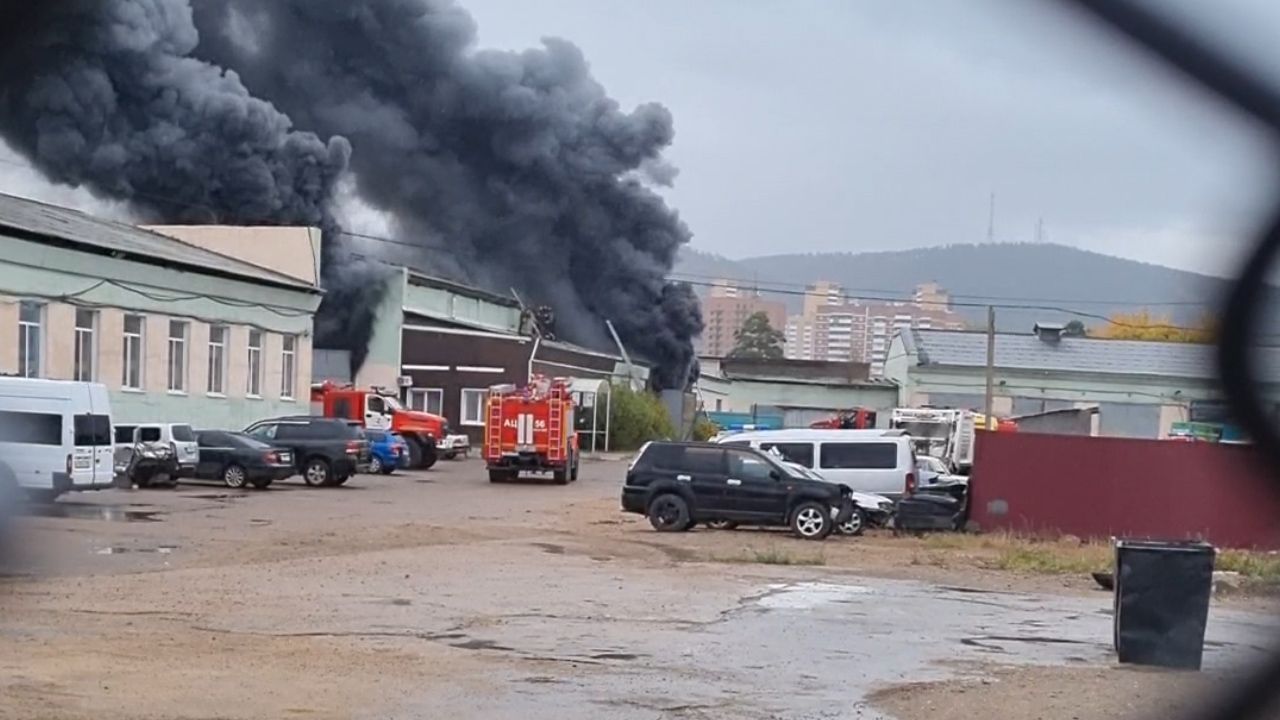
[30,320]
[473,406]
[218,359]
[86,348]
[288,365]
[253,388]
[131,379]
[427,400]
[178,356]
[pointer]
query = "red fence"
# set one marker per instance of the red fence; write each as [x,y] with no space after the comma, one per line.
[1104,487]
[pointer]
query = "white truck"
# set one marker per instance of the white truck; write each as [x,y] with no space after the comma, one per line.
[944,433]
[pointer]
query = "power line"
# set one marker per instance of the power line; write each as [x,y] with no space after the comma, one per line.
[902,295]
[1006,306]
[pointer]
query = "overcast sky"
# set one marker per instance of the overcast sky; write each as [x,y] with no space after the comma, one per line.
[855,125]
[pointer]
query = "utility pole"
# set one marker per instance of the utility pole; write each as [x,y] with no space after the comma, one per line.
[991,366]
[991,219]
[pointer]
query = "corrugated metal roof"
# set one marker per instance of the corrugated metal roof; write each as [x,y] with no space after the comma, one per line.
[91,233]
[1084,355]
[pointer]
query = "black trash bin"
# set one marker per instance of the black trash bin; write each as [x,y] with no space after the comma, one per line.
[1162,594]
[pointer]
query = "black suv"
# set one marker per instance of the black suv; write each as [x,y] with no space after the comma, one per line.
[678,485]
[327,451]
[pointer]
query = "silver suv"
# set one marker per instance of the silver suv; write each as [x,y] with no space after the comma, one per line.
[146,450]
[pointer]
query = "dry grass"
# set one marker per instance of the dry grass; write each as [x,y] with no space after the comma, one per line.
[1067,555]
[773,555]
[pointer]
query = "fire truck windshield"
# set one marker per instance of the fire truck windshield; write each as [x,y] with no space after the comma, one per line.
[392,404]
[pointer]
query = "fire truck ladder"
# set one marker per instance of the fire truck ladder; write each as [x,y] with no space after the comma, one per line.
[493,429]
[555,419]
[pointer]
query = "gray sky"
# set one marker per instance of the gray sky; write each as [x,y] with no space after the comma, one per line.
[850,125]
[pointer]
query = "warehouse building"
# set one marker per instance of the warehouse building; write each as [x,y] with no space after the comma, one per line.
[443,345]
[176,331]
[1131,388]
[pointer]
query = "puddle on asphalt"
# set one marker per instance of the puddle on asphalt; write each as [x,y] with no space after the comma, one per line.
[809,595]
[477,644]
[115,550]
[219,497]
[82,511]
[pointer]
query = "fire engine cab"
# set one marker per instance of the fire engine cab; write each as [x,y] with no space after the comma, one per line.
[531,429]
[377,408]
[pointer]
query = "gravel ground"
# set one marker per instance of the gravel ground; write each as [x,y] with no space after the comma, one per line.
[423,594]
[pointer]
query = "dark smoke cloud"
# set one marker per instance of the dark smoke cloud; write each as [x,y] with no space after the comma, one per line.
[514,169]
[105,94]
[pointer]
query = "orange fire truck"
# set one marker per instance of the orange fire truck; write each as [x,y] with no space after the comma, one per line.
[531,428]
[378,408]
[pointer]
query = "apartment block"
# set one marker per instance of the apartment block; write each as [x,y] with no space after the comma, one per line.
[726,309]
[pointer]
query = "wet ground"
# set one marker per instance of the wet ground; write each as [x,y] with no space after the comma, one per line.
[438,594]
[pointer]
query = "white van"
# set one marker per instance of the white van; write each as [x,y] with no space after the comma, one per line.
[872,461]
[55,435]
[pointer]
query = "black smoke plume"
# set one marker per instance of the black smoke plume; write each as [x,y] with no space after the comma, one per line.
[104,94]
[510,169]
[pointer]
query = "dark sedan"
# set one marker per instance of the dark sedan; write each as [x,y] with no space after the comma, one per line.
[239,460]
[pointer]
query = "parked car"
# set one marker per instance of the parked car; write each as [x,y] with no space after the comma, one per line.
[873,461]
[239,460]
[327,451]
[678,485]
[450,447]
[147,452]
[387,451]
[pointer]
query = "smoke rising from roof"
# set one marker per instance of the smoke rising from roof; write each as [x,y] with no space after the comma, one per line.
[510,169]
[505,169]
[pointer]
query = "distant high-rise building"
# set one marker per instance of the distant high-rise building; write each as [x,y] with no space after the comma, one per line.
[726,309]
[862,331]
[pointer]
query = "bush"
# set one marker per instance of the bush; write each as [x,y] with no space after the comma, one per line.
[704,429]
[635,418]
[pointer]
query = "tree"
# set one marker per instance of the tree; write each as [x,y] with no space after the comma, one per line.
[757,340]
[1075,328]
[1143,325]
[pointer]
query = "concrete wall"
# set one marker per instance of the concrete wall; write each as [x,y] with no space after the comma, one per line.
[1104,487]
[382,362]
[740,395]
[293,251]
[117,286]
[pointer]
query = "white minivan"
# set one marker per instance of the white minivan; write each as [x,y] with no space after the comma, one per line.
[55,435]
[871,461]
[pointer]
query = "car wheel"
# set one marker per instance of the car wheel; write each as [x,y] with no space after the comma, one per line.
[669,513]
[261,483]
[856,523]
[340,480]
[234,476]
[722,525]
[388,469]
[811,521]
[375,466]
[561,477]
[317,472]
[573,473]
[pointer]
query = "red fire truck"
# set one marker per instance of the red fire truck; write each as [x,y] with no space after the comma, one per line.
[531,428]
[378,408]
[855,419]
